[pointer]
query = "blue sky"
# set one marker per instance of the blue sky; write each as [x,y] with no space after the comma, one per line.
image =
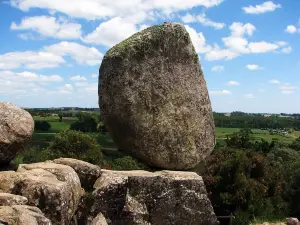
[51,51]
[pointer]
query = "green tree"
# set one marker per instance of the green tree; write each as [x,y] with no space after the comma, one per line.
[78,145]
[41,125]
[60,115]
[240,139]
[87,122]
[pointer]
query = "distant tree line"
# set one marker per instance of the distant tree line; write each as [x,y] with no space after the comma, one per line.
[256,121]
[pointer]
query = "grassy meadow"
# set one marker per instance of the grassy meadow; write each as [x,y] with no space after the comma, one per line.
[42,139]
[221,134]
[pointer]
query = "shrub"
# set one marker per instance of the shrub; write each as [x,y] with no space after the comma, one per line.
[245,180]
[78,145]
[127,163]
[42,125]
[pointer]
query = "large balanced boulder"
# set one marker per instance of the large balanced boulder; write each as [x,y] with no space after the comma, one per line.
[154,100]
[141,197]
[16,127]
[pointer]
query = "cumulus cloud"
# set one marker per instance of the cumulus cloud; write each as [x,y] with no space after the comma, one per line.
[111,32]
[287,88]
[220,92]
[25,83]
[217,68]
[198,40]
[254,67]
[237,44]
[30,60]
[48,26]
[51,56]
[233,83]
[77,78]
[202,19]
[80,53]
[268,6]
[291,29]
[94,9]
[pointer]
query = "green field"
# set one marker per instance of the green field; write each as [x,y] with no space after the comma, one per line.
[257,135]
[42,139]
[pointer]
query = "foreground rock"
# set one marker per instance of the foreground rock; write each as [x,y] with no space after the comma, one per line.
[54,188]
[99,220]
[292,221]
[141,197]
[88,173]
[22,215]
[154,100]
[16,127]
[7,199]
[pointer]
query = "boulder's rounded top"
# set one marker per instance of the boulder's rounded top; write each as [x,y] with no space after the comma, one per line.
[148,36]
[14,123]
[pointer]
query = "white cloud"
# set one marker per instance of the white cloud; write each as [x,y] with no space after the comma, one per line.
[94,75]
[80,53]
[188,18]
[240,29]
[250,96]
[28,77]
[111,32]
[77,78]
[287,50]
[262,47]
[221,92]
[95,9]
[90,89]
[233,83]
[198,40]
[236,44]
[274,81]
[67,89]
[287,88]
[30,60]
[202,19]
[291,29]
[48,26]
[217,68]
[25,83]
[218,54]
[254,67]
[268,6]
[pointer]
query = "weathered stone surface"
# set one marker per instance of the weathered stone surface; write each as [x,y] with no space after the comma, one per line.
[292,221]
[7,199]
[22,215]
[154,100]
[99,220]
[166,197]
[54,188]
[16,127]
[88,173]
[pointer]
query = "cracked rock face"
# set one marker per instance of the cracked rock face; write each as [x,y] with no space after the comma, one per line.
[87,172]
[141,197]
[16,127]
[154,100]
